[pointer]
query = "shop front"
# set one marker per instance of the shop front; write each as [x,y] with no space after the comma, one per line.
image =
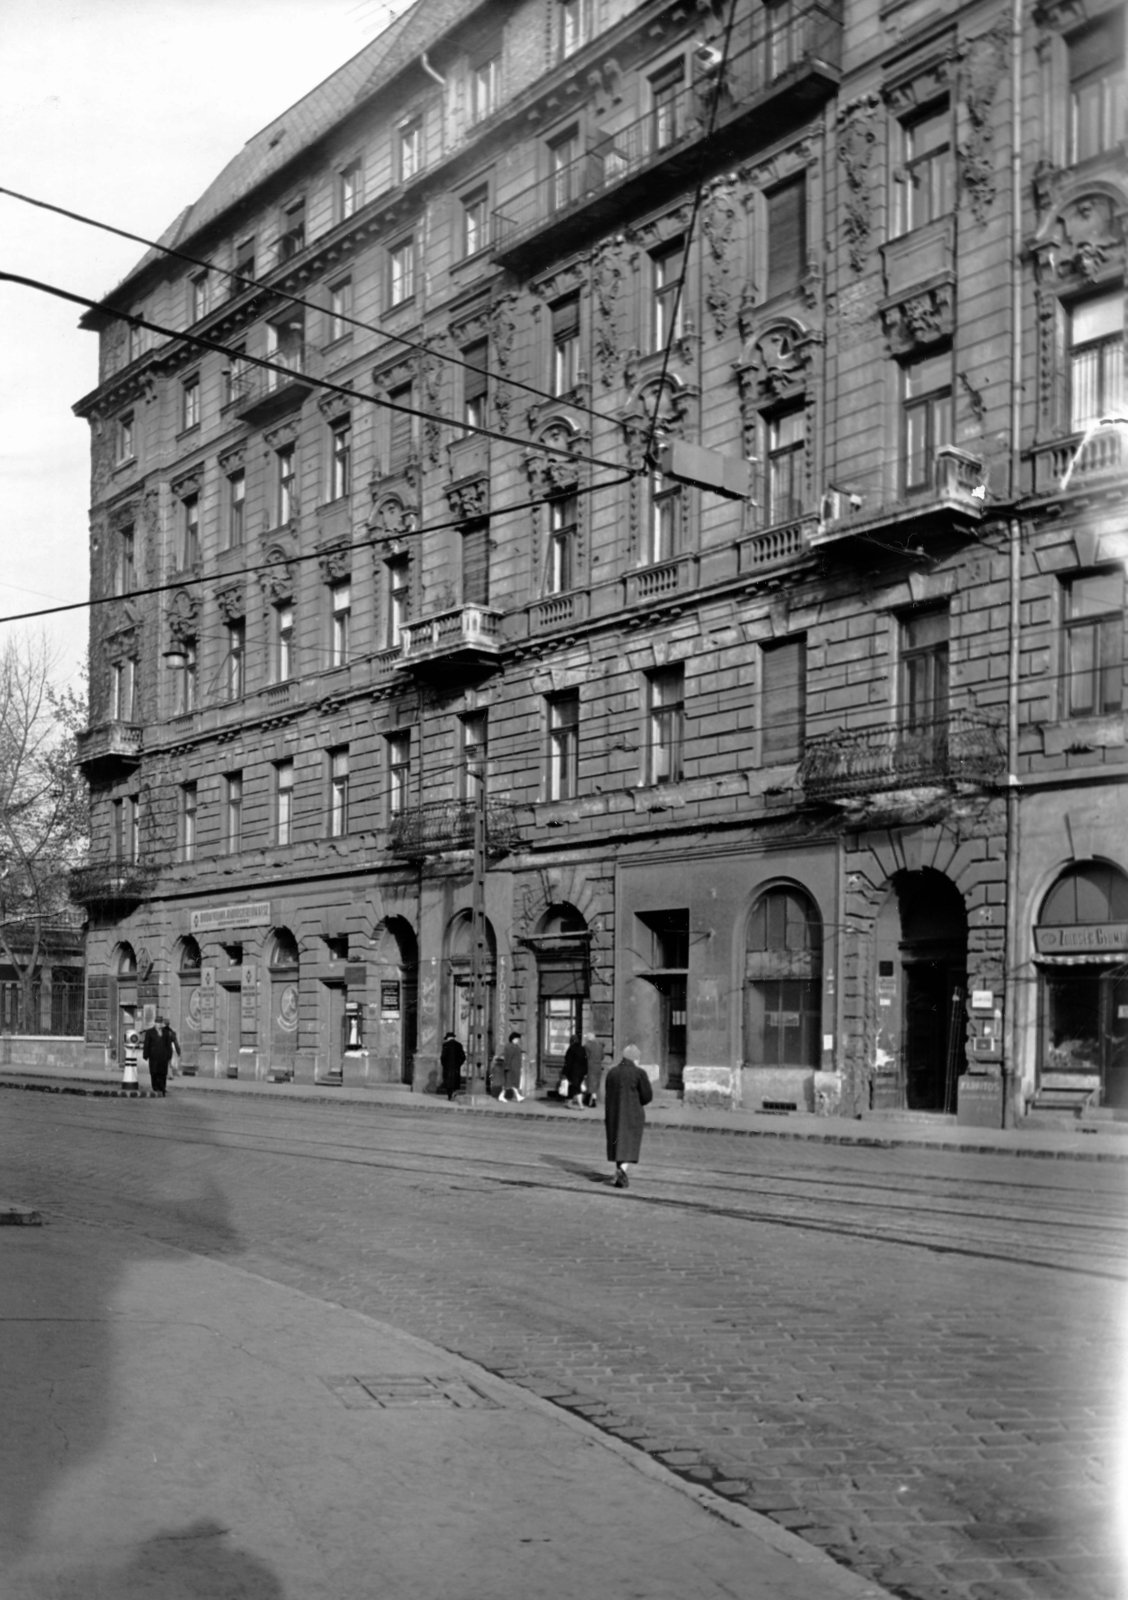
[1081,957]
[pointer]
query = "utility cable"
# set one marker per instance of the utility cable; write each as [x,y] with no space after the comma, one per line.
[245,282]
[319,383]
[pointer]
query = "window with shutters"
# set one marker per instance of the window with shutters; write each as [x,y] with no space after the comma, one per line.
[485,85]
[236,662]
[563,753]
[399,771]
[573,25]
[1094,644]
[340,309]
[123,678]
[337,819]
[923,705]
[126,437]
[350,190]
[1096,359]
[476,565]
[397,588]
[403,427]
[190,403]
[340,622]
[783,700]
[401,271]
[284,801]
[565,168]
[409,149]
[340,458]
[188,804]
[233,812]
[473,738]
[236,508]
[475,222]
[292,230]
[787,235]
[565,345]
[125,560]
[1096,87]
[475,385]
[666,297]
[667,109]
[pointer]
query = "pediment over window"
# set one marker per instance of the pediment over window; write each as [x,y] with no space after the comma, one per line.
[779,358]
[549,471]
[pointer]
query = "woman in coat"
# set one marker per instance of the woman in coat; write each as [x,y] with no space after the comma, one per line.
[626,1090]
[451,1059]
[512,1064]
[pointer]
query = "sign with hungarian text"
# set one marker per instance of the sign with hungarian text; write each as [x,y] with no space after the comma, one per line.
[1082,939]
[243,914]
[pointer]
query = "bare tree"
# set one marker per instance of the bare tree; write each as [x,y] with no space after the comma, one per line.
[44,805]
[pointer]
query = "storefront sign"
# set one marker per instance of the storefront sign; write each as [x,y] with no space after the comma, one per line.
[207,999]
[1076,939]
[248,997]
[243,914]
[982,1000]
[389,997]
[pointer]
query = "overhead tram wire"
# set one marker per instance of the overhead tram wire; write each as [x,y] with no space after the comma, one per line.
[698,197]
[292,299]
[327,384]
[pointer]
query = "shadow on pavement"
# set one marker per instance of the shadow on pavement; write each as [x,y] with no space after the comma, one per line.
[67,1346]
[190,1563]
[578,1169]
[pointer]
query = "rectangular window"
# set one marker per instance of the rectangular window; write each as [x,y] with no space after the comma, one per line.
[125,561]
[190,403]
[475,384]
[340,308]
[485,83]
[398,590]
[475,222]
[200,295]
[123,678]
[787,235]
[786,28]
[188,821]
[183,665]
[924,673]
[783,700]
[401,272]
[340,458]
[926,418]
[787,455]
[399,772]
[666,298]
[243,264]
[291,236]
[126,438]
[283,802]
[924,186]
[236,507]
[665,693]
[283,642]
[127,828]
[666,105]
[136,341]
[1096,359]
[1094,644]
[233,812]
[189,552]
[403,427]
[564,167]
[665,518]
[560,573]
[563,745]
[236,663]
[474,739]
[350,190]
[284,468]
[1097,87]
[340,614]
[338,818]
[235,376]
[476,564]
[566,345]
[573,25]
[409,142]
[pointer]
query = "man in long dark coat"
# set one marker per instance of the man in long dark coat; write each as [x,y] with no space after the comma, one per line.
[626,1090]
[575,1066]
[160,1045]
[451,1059]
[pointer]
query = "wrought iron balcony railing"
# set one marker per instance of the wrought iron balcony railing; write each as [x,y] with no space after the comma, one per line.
[112,883]
[439,825]
[770,53]
[256,393]
[962,747]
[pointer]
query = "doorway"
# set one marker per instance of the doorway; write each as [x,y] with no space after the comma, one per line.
[921,990]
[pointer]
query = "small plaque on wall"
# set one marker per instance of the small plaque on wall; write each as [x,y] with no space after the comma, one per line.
[389,997]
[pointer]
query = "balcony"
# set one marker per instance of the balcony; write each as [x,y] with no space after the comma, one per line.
[777,546]
[444,825]
[957,495]
[112,886]
[663,581]
[109,751]
[1081,463]
[782,65]
[959,748]
[260,394]
[468,637]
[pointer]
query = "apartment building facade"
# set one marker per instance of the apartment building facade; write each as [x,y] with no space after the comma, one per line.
[695,434]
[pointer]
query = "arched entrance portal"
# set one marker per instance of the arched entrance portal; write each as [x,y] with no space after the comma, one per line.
[284,964]
[457,987]
[561,945]
[397,961]
[1081,944]
[188,966]
[127,1043]
[921,989]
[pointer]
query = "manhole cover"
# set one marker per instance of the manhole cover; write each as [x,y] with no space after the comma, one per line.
[392,1393]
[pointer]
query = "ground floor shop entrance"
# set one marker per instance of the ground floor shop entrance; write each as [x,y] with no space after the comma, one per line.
[921,993]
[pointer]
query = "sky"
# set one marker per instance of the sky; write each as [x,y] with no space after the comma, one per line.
[123,110]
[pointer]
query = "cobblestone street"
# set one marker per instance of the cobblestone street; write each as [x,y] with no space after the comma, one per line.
[913,1358]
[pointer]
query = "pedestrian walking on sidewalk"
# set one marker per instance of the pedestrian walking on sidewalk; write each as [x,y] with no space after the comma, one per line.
[512,1065]
[626,1091]
[593,1072]
[452,1057]
[160,1045]
[575,1066]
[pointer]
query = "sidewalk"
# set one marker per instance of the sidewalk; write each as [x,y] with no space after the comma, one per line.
[1085,1141]
[176,1428]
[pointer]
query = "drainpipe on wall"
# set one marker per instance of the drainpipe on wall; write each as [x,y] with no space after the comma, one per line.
[1012,934]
